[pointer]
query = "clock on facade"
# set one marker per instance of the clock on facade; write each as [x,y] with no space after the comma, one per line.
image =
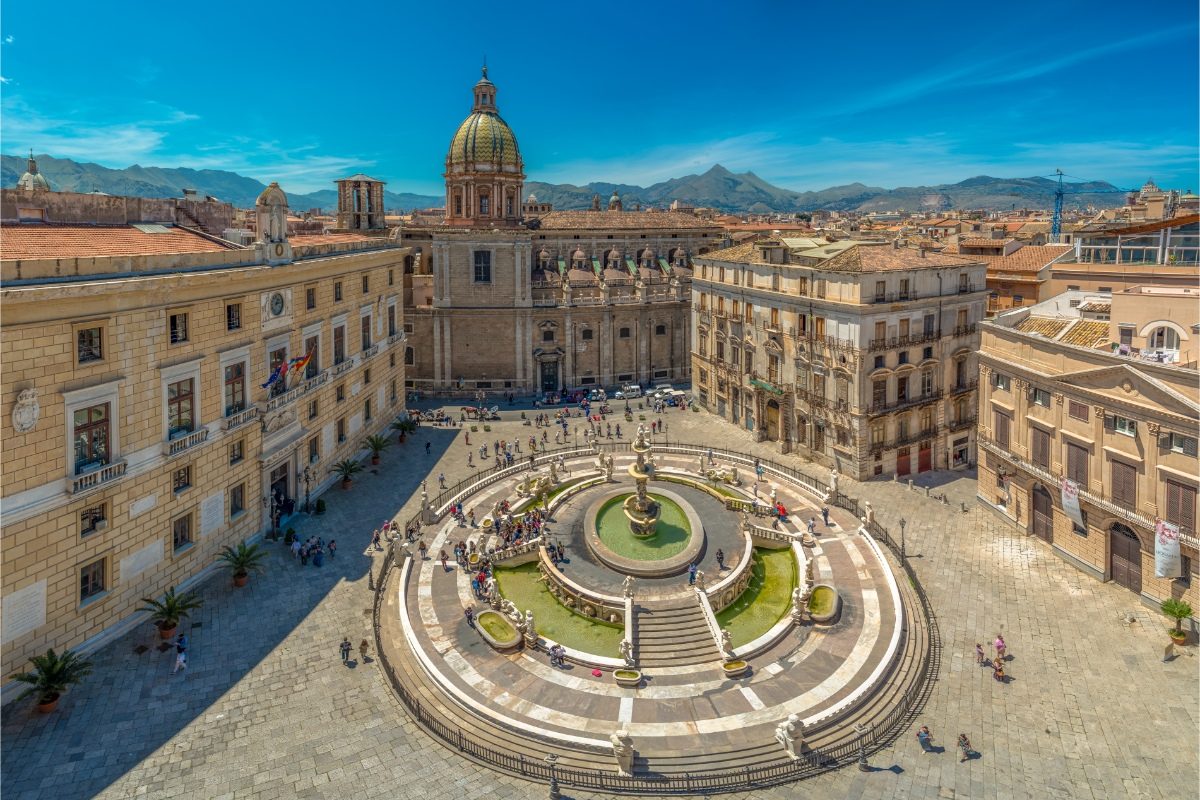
[276,304]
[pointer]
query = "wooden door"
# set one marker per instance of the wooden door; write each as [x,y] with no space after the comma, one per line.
[1043,514]
[1126,556]
[903,466]
[925,458]
[772,420]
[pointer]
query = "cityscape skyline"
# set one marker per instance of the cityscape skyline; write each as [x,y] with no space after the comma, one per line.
[890,110]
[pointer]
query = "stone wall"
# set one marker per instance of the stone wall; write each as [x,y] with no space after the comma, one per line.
[102,209]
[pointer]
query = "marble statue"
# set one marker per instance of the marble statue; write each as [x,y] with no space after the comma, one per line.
[627,586]
[798,605]
[608,467]
[553,473]
[772,496]
[531,636]
[833,482]
[790,734]
[726,642]
[700,580]
[870,517]
[701,470]
[627,652]
[622,745]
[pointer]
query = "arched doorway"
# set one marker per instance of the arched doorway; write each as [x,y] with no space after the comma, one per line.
[773,420]
[1043,514]
[1125,552]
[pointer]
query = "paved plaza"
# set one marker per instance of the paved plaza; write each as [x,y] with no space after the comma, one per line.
[267,710]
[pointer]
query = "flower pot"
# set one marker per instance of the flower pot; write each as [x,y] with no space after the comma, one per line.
[346,483]
[629,678]
[167,633]
[240,580]
[374,461]
[402,438]
[46,706]
[1178,637]
[736,668]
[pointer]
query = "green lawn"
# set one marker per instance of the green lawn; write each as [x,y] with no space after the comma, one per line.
[767,598]
[672,536]
[553,619]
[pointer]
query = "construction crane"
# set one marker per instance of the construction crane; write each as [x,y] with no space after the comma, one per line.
[1056,223]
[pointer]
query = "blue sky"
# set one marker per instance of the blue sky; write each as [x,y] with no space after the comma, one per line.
[805,95]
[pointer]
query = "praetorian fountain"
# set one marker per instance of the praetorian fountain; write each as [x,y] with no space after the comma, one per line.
[640,509]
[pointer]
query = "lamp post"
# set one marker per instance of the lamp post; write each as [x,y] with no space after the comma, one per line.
[903,522]
[307,487]
[554,792]
[271,507]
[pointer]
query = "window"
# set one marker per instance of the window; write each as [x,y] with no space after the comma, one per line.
[903,293]
[341,430]
[339,344]
[365,332]
[391,277]
[181,533]
[179,328]
[1001,381]
[880,291]
[314,409]
[879,393]
[1126,335]
[337,292]
[586,334]
[180,419]
[1178,443]
[623,333]
[410,356]
[90,344]
[927,324]
[1124,484]
[237,500]
[483,266]
[902,357]
[1185,567]
[233,317]
[366,284]
[391,320]
[181,479]
[484,205]
[458,205]
[660,330]
[391,359]
[366,375]
[1181,505]
[367,411]
[1040,447]
[392,395]
[275,359]
[91,434]
[877,434]
[963,286]
[314,449]
[1077,410]
[235,388]
[341,392]
[1077,464]
[92,520]
[749,313]
[1040,397]
[310,298]
[1076,528]
[1122,425]
[878,362]
[91,580]
[237,451]
[927,383]
[1003,423]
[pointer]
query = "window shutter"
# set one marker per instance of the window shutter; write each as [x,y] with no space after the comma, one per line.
[1041,447]
[1077,464]
[1164,442]
[1110,422]
[1189,446]
[1124,479]
[1181,505]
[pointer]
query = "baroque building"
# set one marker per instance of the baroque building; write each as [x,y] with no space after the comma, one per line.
[149,422]
[507,294]
[856,355]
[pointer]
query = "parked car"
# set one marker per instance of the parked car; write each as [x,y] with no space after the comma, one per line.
[629,392]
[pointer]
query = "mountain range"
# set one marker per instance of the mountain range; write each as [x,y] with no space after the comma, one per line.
[717,188]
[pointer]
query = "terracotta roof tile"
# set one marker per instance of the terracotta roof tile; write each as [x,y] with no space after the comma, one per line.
[1097,307]
[1087,333]
[89,241]
[1030,258]
[856,258]
[1050,327]
[980,242]
[622,220]
[305,240]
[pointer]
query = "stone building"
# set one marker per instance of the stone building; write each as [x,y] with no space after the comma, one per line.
[852,354]
[1099,390]
[360,204]
[510,295]
[138,440]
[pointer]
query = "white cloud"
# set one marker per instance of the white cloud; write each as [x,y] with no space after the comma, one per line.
[9,39]
[5,80]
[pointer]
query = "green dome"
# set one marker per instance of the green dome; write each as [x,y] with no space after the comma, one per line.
[484,138]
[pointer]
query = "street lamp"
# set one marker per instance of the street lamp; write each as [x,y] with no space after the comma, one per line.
[554,792]
[271,507]
[903,522]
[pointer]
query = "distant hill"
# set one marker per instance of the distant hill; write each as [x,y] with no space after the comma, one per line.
[716,188]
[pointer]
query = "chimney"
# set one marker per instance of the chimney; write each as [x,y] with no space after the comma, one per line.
[921,250]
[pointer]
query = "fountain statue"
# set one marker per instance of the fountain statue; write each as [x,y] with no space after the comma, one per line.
[627,586]
[622,745]
[640,509]
[790,734]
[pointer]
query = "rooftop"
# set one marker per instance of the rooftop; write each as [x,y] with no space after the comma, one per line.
[622,220]
[1030,258]
[41,241]
[842,256]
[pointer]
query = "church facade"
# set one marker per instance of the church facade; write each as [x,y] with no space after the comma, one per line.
[507,294]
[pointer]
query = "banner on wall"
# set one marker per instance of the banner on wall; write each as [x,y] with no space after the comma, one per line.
[1166,550]
[1070,501]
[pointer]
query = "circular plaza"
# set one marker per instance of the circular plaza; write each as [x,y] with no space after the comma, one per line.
[649,619]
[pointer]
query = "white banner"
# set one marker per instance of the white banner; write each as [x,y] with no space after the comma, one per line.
[1166,550]
[1070,501]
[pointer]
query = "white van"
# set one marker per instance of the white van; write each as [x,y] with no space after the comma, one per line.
[629,392]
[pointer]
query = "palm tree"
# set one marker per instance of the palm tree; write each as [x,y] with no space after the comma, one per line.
[1177,610]
[376,443]
[346,470]
[243,560]
[405,427]
[52,675]
[167,613]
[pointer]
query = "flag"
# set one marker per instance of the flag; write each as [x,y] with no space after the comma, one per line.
[276,376]
[300,362]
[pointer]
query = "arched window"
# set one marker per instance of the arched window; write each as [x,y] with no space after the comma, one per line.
[409,358]
[1164,338]
[484,205]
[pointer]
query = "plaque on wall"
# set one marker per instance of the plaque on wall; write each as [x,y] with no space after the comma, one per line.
[24,611]
[212,513]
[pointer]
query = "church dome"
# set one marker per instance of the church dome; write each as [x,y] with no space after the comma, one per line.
[32,179]
[483,140]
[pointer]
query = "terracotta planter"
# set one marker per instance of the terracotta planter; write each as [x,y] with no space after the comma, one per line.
[240,580]
[167,633]
[374,461]
[628,678]
[346,483]
[402,438]
[1179,638]
[46,708]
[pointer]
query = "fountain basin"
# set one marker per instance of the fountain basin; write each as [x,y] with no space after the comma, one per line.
[678,541]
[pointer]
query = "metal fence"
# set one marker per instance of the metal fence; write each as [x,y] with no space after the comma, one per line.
[875,738]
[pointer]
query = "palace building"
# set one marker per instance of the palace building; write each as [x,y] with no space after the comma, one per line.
[507,294]
[139,438]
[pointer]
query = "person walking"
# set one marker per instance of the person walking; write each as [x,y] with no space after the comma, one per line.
[471,460]
[423,548]
[812,525]
[442,480]
[1001,647]
[428,445]
[825,515]
[304,556]
[180,661]
[469,613]
[375,540]
[333,546]
[981,657]
[362,650]
[925,738]
[964,747]
[468,439]
[692,574]
[443,557]
[345,647]
[296,547]
[720,558]
[998,670]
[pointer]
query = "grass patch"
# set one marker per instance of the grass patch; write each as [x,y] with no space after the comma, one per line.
[554,620]
[822,601]
[768,596]
[672,536]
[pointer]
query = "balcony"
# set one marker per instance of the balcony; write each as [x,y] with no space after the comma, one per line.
[966,288]
[281,400]
[964,330]
[893,297]
[399,336]
[903,341]
[341,368]
[370,352]
[704,317]
[239,418]
[961,424]
[97,476]
[965,386]
[915,436]
[909,402]
[813,399]
[176,445]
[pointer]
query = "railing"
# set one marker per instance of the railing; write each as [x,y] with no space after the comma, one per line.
[342,367]
[959,424]
[894,297]
[915,436]
[815,762]
[279,401]
[965,386]
[966,288]
[908,402]
[964,330]
[173,447]
[97,477]
[370,352]
[903,341]
[399,336]
[239,418]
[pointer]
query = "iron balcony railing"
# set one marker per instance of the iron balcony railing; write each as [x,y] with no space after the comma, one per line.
[904,341]
[908,402]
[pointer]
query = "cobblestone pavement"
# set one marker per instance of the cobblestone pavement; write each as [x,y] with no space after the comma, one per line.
[267,710]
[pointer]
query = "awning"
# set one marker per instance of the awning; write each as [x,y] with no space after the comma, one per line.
[666,268]
[562,267]
[629,265]
[767,387]
[596,268]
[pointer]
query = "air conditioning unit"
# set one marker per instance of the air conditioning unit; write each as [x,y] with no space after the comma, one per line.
[100,524]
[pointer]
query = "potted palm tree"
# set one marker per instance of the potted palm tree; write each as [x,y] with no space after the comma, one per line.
[346,470]
[52,675]
[405,427]
[167,612]
[243,560]
[1177,610]
[376,443]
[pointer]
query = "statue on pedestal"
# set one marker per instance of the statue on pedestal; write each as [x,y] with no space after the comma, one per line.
[622,745]
[531,636]
[608,467]
[700,580]
[726,642]
[799,603]
[790,734]
[627,586]
[626,649]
